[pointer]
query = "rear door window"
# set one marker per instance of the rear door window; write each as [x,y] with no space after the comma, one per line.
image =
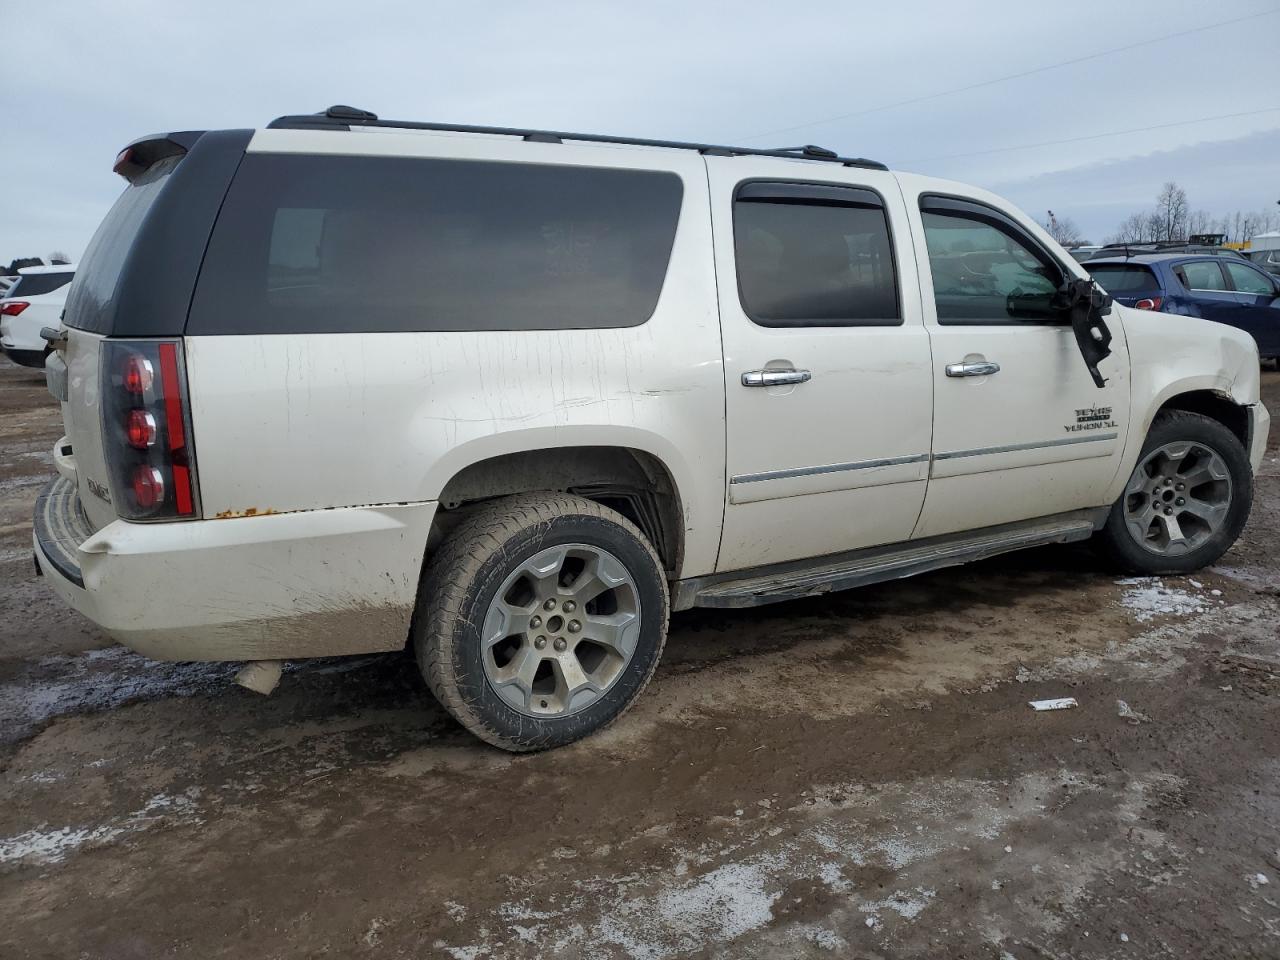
[1202,275]
[37,284]
[318,244]
[814,255]
[1122,279]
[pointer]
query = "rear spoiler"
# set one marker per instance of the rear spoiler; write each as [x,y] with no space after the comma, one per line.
[139,156]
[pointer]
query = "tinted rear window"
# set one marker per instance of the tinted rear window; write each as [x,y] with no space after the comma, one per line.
[90,300]
[808,263]
[1123,278]
[308,244]
[35,284]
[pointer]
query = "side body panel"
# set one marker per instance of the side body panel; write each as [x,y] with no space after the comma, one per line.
[1260,317]
[1172,355]
[1037,437]
[841,461]
[291,422]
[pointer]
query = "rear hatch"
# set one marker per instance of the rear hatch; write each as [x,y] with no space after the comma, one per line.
[126,313]
[1132,284]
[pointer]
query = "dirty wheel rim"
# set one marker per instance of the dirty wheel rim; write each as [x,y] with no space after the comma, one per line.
[561,630]
[1177,498]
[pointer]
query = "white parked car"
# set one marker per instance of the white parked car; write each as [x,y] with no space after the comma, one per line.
[30,305]
[512,396]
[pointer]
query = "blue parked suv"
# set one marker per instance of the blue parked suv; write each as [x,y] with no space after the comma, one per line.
[1224,289]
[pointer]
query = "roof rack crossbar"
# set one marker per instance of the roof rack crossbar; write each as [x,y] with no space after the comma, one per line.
[344,118]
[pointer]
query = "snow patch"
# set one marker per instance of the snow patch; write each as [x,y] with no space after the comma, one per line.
[1149,597]
[902,903]
[53,845]
[706,898]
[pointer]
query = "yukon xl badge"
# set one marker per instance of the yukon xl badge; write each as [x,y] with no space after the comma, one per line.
[98,490]
[1091,418]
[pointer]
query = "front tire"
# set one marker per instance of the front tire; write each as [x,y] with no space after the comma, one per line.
[540,620]
[1186,501]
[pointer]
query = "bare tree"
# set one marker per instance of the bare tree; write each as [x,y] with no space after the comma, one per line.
[58,257]
[1199,221]
[1171,210]
[1173,219]
[1064,230]
[1133,229]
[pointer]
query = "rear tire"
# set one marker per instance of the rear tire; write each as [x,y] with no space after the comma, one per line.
[540,619]
[1186,501]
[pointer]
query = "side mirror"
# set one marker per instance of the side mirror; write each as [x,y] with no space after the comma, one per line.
[1085,304]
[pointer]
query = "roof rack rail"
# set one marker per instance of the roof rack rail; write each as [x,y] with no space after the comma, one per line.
[342,117]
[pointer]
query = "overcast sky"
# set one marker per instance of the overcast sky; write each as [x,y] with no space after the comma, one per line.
[79,80]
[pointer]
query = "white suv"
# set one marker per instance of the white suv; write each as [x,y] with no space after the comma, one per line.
[343,383]
[30,305]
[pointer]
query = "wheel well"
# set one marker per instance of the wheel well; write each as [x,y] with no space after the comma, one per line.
[1215,406]
[632,482]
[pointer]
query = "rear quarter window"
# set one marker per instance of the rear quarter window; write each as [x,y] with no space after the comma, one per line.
[319,244]
[1124,278]
[90,302]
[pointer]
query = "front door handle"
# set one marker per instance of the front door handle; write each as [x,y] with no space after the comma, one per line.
[775,378]
[981,368]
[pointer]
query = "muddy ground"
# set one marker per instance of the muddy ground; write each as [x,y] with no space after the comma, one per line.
[853,776]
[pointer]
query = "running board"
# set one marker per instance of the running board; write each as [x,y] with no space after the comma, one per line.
[808,578]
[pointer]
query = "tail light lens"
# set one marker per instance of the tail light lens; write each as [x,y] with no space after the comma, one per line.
[1150,303]
[141,429]
[11,308]
[146,430]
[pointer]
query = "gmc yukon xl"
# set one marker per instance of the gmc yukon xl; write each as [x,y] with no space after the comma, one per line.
[512,396]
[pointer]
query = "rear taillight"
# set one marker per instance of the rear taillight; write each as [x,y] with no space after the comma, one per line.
[1150,303]
[146,430]
[11,308]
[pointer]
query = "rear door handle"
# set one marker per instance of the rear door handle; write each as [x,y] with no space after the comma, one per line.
[983,368]
[775,378]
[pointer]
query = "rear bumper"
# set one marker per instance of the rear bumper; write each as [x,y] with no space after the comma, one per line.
[281,586]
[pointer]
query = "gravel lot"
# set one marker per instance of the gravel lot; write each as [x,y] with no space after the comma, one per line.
[852,776]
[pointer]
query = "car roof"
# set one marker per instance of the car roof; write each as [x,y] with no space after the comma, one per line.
[55,268]
[345,118]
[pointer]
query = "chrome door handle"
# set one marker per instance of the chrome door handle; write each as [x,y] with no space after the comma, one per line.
[983,368]
[775,378]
